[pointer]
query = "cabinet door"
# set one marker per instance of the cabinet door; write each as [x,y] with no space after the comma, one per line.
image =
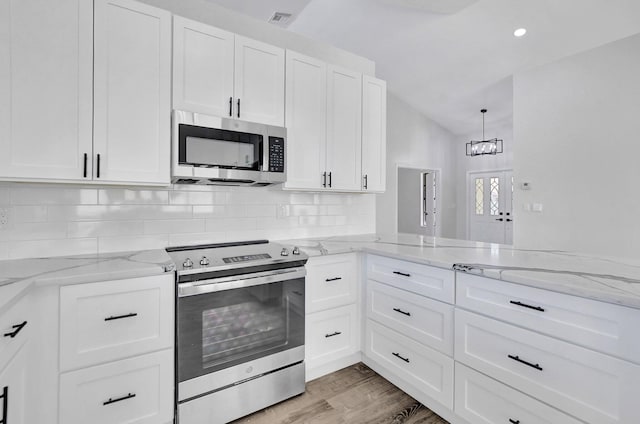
[202,68]
[132,120]
[13,386]
[306,121]
[344,128]
[45,88]
[374,134]
[259,82]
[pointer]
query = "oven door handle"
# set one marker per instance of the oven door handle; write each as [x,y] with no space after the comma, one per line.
[239,281]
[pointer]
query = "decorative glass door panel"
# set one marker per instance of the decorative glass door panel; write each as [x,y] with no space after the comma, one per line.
[490,207]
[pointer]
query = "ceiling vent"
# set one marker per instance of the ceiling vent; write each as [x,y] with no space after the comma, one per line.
[280,18]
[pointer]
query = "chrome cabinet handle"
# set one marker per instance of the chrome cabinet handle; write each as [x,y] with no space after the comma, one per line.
[111,318]
[120,399]
[17,328]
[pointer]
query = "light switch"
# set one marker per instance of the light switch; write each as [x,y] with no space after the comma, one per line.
[537,207]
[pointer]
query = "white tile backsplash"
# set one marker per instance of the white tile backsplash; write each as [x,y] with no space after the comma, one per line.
[55,219]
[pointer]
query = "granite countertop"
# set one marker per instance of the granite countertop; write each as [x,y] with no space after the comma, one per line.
[85,268]
[611,280]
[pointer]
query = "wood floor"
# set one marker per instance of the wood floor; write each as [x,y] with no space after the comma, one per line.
[354,395]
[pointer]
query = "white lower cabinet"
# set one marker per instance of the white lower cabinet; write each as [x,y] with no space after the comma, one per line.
[331,335]
[429,371]
[482,400]
[13,388]
[136,390]
[594,387]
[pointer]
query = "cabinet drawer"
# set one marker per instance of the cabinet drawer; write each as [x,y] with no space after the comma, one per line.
[15,328]
[589,385]
[421,279]
[597,325]
[136,390]
[482,400]
[428,370]
[102,322]
[331,281]
[331,335]
[425,320]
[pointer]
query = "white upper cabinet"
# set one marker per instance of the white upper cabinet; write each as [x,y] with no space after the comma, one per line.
[132,107]
[203,64]
[218,73]
[374,134]
[45,88]
[344,128]
[306,117]
[259,82]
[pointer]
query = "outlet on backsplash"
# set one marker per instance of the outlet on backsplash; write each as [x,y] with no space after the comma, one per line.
[4,218]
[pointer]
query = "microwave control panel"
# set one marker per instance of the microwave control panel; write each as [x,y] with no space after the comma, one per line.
[276,154]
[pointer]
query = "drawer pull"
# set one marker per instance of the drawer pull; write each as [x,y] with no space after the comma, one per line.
[17,328]
[110,401]
[402,273]
[522,361]
[337,333]
[328,280]
[111,318]
[514,421]
[524,305]
[5,404]
[402,312]
[397,355]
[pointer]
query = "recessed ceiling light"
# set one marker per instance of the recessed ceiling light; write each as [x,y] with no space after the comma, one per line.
[520,32]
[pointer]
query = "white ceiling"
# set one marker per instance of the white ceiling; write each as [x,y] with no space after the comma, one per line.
[451,64]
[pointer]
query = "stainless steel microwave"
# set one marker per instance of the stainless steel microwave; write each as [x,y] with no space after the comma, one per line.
[222,151]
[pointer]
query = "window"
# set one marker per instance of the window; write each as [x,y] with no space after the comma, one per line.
[479,196]
[494,195]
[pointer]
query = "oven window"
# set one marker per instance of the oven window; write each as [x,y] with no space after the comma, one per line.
[222,329]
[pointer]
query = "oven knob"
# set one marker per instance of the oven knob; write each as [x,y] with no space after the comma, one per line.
[296,250]
[204,261]
[187,263]
[284,252]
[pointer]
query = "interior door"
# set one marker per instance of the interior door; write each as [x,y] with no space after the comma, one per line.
[259,82]
[203,62]
[45,88]
[132,90]
[344,128]
[491,206]
[306,118]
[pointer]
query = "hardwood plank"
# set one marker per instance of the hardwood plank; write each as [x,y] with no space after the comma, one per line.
[353,395]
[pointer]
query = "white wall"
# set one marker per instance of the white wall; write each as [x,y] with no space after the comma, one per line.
[213,14]
[466,164]
[577,122]
[416,141]
[55,220]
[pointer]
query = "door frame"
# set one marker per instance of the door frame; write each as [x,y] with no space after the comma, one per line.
[468,195]
[438,171]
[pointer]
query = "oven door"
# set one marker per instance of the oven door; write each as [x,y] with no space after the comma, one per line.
[231,329]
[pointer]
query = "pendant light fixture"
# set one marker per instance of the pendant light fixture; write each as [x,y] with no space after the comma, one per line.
[484,147]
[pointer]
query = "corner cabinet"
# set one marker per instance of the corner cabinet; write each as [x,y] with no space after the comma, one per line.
[223,74]
[374,134]
[45,88]
[132,83]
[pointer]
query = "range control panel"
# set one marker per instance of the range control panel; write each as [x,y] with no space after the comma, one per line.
[276,154]
[244,258]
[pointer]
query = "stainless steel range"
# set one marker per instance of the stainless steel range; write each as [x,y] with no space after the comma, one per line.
[240,328]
